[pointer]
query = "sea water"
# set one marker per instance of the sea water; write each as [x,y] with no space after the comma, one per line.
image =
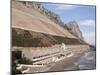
[86,62]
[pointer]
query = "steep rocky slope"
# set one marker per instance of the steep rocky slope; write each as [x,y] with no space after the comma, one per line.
[31,27]
[30,19]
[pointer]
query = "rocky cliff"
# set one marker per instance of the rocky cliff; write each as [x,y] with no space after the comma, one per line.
[73,28]
[28,18]
[33,25]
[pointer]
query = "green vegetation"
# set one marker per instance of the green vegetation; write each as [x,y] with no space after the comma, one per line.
[14,70]
[18,59]
[24,60]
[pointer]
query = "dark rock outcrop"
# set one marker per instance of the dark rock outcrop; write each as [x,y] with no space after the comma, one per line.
[73,28]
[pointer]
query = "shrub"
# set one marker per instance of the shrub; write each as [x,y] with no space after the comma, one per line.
[25,60]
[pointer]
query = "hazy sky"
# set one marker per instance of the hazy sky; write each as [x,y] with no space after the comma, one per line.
[82,14]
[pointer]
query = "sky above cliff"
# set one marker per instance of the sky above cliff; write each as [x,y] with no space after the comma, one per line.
[84,15]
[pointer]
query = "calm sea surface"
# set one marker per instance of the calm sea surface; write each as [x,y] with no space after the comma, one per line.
[87,61]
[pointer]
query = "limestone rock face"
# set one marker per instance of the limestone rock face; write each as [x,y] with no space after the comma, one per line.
[73,28]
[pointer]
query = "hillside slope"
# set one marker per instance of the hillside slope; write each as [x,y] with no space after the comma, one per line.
[31,28]
[30,19]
